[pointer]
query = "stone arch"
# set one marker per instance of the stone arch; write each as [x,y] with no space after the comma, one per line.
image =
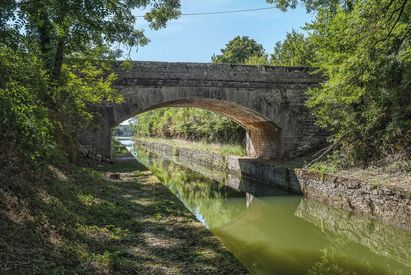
[268,101]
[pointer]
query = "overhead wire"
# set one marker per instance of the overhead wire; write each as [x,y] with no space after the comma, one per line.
[222,12]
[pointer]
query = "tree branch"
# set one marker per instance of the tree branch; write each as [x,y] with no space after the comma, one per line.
[324,153]
[397,20]
[401,10]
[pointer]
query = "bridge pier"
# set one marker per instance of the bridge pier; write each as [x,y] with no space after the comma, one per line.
[262,143]
[97,140]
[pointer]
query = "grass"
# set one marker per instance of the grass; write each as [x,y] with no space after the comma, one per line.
[117,220]
[323,168]
[386,172]
[222,149]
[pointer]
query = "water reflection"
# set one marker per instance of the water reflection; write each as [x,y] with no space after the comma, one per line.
[282,234]
[380,238]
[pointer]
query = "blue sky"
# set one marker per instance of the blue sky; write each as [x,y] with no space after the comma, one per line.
[197,38]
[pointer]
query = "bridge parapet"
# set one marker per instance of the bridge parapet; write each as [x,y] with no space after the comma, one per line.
[207,74]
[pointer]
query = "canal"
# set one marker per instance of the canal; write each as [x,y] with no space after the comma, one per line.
[274,232]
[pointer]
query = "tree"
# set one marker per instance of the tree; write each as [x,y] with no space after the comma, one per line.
[295,50]
[26,129]
[68,42]
[312,5]
[258,60]
[238,50]
[363,50]
[62,27]
[366,101]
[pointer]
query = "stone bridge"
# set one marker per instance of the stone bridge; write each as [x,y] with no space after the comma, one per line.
[269,102]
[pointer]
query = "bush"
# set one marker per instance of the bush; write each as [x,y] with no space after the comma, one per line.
[24,122]
[366,101]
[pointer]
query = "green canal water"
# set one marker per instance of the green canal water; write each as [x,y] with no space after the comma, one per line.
[282,233]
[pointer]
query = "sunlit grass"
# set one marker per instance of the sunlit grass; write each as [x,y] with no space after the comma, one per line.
[222,149]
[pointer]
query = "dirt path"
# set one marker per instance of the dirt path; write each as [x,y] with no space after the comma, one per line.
[119,220]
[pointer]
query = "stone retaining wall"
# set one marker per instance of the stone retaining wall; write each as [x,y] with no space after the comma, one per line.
[389,204]
[386,203]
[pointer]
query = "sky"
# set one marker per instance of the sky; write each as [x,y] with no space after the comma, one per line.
[197,38]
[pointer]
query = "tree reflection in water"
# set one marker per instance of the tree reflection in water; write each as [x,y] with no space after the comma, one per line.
[283,234]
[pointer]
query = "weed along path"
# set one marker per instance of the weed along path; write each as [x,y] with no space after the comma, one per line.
[169,239]
[117,220]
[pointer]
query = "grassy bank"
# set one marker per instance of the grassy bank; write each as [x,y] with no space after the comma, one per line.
[222,149]
[117,220]
[394,172]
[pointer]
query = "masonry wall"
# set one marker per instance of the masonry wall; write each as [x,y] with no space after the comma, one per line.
[389,204]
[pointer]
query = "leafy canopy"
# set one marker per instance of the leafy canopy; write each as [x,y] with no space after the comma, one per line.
[60,47]
[295,50]
[313,5]
[238,50]
[63,27]
[25,125]
[365,55]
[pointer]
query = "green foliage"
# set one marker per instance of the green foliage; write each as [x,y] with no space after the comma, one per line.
[50,75]
[239,50]
[312,5]
[363,50]
[61,27]
[366,101]
[24,123]
[258,60]
[190,124]
[83,83]
[295,50]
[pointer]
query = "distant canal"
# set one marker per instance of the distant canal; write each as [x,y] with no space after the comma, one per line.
[283,233]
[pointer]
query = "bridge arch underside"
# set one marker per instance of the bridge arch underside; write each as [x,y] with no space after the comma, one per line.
[262,140]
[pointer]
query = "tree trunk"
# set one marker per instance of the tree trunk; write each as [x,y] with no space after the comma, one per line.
[45,39]
[350,5]
[58,62]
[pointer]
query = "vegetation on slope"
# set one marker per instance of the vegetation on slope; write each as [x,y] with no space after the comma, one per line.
[365,54]
[363,49]
[120,220]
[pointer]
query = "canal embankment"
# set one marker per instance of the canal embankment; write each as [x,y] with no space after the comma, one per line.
[115,219]
[390,204]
